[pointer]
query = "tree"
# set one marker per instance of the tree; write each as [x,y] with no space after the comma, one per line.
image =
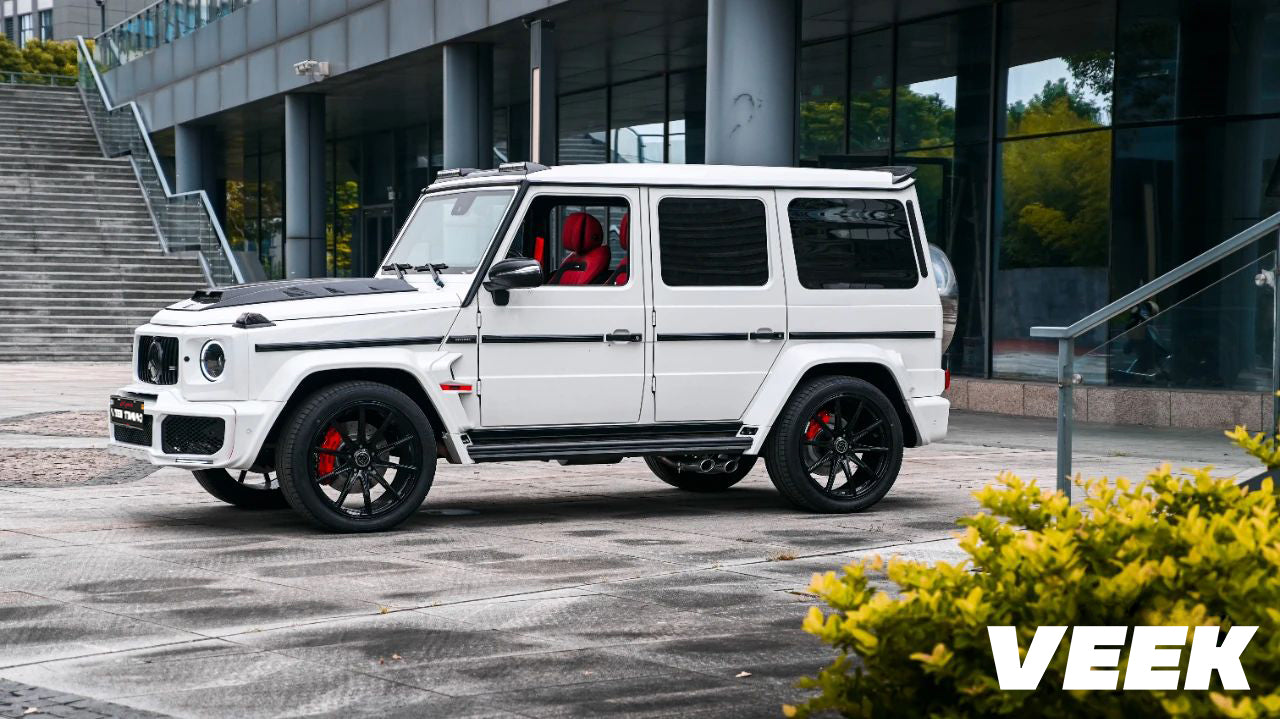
[11,59]
[1056,189]
[49,57]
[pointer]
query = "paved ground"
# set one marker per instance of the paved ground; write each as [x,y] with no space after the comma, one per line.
[520,590]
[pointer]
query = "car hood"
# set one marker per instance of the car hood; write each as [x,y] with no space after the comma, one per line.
[309,299]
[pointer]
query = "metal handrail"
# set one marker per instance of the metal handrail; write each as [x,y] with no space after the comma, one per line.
[176,214]
[1067,336]
[36,78]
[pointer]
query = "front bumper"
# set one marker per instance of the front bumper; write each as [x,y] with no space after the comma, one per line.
[245,425]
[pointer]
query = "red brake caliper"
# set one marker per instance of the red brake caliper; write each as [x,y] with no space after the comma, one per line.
[815,427]
[326,462]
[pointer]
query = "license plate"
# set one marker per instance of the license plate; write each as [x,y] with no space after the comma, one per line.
[127,412]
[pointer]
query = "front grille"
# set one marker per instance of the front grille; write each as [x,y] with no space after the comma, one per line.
[158,359]
[129,435]
[191,435]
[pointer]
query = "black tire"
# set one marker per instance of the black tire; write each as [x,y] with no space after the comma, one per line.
[816,441]
[246,490]
[337,446]
[667,470]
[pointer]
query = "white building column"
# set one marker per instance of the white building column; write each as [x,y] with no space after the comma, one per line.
[751,88]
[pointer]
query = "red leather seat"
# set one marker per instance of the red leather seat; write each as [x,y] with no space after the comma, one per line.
[623,271]
[588,260]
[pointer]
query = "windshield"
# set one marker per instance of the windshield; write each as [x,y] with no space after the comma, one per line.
[453,229]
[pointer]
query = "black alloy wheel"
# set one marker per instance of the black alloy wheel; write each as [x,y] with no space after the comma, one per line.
[246,489]
[357,456]
[838,446]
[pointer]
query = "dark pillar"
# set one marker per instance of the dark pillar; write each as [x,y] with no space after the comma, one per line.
[304,244]
[542,93]
[468,105]
[751,87]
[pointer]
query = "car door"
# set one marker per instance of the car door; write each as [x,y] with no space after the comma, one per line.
[571,351]
[719,300]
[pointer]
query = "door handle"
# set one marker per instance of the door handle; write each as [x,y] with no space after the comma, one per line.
[764,333]
[623,336]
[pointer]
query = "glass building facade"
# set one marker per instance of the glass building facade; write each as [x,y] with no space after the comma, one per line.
[1070,151]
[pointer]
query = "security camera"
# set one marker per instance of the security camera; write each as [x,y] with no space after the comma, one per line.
[312,68]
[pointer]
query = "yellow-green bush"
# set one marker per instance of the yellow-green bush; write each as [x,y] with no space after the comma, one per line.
[1168,550]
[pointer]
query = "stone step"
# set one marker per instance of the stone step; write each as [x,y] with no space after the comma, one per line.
[36,159]
[128,306]
[51,202]
[10,213]
[46,127]
[113,340]
[126,231]
[84,313]
[68,149]
[93,331]
[104,224]
[121,263]
[62,167]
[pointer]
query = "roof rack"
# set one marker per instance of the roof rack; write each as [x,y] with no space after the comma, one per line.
[900,173]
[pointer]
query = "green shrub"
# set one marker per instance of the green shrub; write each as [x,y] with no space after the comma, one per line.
[1166,550]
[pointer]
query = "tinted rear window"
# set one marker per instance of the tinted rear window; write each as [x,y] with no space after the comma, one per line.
[845,244]
[713,242]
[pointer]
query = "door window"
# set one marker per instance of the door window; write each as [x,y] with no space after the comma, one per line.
[713,242]
[578,240]
[852,243]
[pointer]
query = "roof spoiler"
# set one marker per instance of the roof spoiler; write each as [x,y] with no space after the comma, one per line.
[900,173]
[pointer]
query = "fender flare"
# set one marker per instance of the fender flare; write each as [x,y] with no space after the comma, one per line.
[429,369]
[797,360]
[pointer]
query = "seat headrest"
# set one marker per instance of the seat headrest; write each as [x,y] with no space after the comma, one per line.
[582,233]
[624,230]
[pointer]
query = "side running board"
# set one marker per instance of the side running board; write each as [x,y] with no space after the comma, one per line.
[520,443]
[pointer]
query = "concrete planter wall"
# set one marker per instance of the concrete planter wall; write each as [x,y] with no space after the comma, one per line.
[1115,405]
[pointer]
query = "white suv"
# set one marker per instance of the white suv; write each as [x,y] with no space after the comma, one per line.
[696,316]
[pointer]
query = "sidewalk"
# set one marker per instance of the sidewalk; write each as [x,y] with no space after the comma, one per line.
[524,589]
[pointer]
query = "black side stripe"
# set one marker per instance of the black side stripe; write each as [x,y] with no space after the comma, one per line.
[702,336]
[346,344]
[462,340]
[898,335]
[530,339]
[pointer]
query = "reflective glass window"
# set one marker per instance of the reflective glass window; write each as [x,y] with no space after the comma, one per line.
[870,92]
[1190,59]
[583,128]
[822,88]
[687,116]
[1052,234]
[1057,64]
[637,124]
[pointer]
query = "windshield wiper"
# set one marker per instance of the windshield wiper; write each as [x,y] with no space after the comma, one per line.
[399,269]
[435,268]
[402,267]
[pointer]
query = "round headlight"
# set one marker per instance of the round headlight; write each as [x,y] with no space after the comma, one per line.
[213,360]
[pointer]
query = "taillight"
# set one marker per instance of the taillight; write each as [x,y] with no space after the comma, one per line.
[947,386]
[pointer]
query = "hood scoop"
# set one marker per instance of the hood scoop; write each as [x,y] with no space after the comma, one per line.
[285,290]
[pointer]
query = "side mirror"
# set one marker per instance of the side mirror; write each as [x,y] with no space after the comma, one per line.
[512,274]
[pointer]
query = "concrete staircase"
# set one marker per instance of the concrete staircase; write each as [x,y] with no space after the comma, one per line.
[80,261]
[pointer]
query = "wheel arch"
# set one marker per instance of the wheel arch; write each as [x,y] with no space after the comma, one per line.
[882,368]
[396,377]
[878,375]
